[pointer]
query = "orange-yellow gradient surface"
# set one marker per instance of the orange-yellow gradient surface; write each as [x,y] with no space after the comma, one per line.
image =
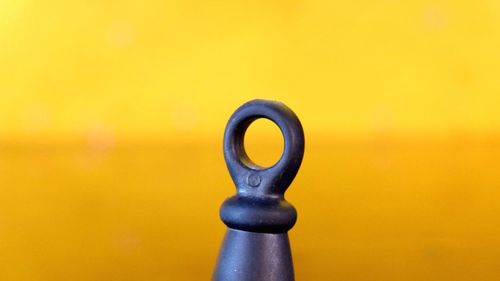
[112,115]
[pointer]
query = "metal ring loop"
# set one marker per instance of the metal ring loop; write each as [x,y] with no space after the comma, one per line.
[251,179]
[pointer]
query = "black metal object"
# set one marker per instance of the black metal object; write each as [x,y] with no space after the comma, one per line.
[256,246]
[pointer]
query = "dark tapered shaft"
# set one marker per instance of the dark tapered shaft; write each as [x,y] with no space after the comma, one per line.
[250,256]
[256,246]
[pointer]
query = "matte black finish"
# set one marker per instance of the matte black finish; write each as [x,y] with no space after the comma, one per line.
[256,246]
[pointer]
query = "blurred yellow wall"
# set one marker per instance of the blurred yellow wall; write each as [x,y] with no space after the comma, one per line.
[112,115]
[169,68]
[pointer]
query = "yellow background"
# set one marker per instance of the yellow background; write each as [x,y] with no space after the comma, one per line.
[112,115]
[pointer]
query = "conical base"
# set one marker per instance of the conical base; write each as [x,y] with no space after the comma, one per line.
[251,256]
